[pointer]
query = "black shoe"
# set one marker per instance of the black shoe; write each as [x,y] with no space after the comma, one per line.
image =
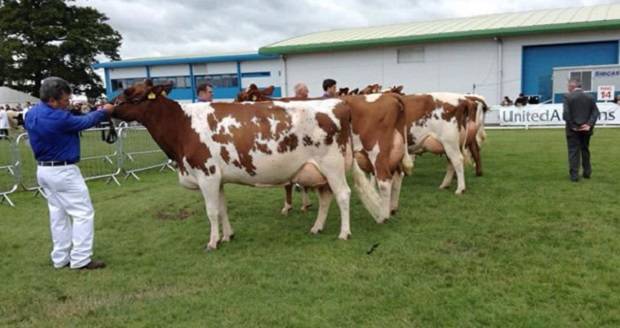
[586,176]
[574,179]
[93,265]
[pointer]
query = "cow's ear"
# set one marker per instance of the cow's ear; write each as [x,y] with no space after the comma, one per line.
[148,82]
[268,91]
[162,89]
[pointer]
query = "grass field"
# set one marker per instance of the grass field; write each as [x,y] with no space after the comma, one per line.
[523,247]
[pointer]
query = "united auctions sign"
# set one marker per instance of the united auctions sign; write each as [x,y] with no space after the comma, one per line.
[551,114]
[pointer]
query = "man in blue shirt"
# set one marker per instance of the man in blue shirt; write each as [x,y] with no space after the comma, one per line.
[54,137]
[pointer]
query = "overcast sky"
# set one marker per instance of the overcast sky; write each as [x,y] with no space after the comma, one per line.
[153,28]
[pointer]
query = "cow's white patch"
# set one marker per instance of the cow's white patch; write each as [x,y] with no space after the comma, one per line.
[373,97]
[448,97]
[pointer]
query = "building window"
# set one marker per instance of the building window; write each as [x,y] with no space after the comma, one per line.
[256,74]
[410,55]
[218,80]
[177,81]
[585,77]
[121,84]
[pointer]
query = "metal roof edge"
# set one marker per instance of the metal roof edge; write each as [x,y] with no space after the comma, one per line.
[190,60]
[450,36]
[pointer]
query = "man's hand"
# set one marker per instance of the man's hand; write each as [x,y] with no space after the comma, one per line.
[109,108]
[584,127]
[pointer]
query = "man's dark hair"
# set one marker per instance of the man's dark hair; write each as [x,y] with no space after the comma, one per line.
[328,83]
[203,87]
[53,88]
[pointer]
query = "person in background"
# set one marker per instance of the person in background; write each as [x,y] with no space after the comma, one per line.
[521,100]
[580,114]
[301,91]
[4,123]
[617,100]
[54,139]
[330,88]
[506,102]
[205,92]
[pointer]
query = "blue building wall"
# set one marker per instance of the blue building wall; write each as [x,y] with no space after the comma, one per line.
[538,63]
[188,93]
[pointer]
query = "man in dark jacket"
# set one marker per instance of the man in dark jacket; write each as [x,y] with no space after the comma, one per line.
[580,114]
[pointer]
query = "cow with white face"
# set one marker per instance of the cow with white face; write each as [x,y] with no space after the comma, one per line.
[259,144]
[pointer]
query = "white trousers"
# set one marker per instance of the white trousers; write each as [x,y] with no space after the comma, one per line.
[68,198]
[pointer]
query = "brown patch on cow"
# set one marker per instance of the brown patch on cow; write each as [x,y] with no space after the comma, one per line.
[376,124]
[212,122]
[288,144]
[263,148]
[254,130]
[307,140]
[224,154]
[327,125]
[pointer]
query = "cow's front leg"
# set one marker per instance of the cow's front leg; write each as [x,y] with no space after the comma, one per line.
[447,179]
[305,199]
[456,159]
[288,199]
[325,199]
[210,188]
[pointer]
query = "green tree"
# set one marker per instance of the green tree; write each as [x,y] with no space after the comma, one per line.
[41,38]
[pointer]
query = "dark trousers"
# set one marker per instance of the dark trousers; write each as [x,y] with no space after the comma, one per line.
[578,149]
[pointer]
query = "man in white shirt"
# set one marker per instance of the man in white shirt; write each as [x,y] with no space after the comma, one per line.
[4,123]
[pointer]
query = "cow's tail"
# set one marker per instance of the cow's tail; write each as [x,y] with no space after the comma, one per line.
[367,192]
[406,161]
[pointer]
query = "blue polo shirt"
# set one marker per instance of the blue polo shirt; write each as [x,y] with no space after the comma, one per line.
[54,133]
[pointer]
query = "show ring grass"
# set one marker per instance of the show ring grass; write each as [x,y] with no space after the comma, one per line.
[522,247]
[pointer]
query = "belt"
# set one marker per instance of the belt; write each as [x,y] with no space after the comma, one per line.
[55,163]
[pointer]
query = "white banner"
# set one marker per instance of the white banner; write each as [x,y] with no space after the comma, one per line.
[551,114]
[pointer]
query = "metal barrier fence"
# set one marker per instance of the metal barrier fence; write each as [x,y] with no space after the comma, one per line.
[135,151]
[139,152]
[9,179]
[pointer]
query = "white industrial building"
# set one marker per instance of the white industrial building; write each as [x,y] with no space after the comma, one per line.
[493,55]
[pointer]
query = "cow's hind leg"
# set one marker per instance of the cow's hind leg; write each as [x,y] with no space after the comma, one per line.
[335,175]
[325,199]
[397,181]
[456,159]
[227,231]
[447,179]
[210,188]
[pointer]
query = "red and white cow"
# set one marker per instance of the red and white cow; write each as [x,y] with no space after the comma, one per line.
[260,144]
[446,123]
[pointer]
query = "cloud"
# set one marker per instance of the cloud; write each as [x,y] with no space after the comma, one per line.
[168,28]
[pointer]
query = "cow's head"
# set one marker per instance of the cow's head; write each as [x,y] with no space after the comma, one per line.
[133,102]
[253,93]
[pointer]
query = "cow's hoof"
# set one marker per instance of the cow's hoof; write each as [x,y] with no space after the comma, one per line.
[459,192]
[444,187]
[316,231]
[394,211]
[478,174]
[228,238]
[286,210]
[344,235]
[305,208]
[211,247]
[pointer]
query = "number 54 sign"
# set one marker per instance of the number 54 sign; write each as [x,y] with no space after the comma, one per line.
[605,93]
